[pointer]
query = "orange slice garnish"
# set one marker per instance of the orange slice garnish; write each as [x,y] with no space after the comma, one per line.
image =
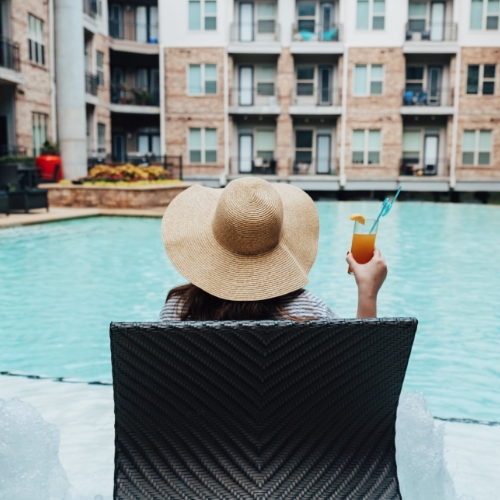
[358,218]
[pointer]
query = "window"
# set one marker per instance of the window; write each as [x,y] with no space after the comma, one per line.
[373,10]
[411,147]
[414,78]
[101,137]
[266,15]
[36,40]
[368,79]
[39,125]
[303,146]
[366,147]
[306,16]
[266,76]
[100,68]
[481,17]
[202,145]
[202,79]
[417,16]
[476,147]
[199,10]
[305,80]
[264,144]
[481,79]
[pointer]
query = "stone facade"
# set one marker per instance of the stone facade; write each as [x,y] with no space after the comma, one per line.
[183,111]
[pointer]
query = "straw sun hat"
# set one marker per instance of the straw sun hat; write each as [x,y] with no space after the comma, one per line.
[249,241]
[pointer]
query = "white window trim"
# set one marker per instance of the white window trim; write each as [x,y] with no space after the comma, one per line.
[427,14]
[369,80]
[476,151]
[203,80]
[365,148]
[371,14]
[263,129]
[203,15]
[99,144]
[482,79]
[203,149]
[40,120]
[314,80]
[257,81]
[484,18]
[40,40]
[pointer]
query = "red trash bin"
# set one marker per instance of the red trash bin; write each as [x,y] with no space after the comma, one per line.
[48,165]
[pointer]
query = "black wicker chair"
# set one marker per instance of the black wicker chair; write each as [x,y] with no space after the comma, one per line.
[258,410]
[4,203]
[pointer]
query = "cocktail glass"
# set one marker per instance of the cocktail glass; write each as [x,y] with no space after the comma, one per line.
[363,241]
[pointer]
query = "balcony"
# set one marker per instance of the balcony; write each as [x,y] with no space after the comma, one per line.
[91,84]
[314,166]
[316,38]
[259,100]
[134,36]
[262,37]
[253,166]
[9,56]
[310,100]
[427,102]
[427,167]
[438,38]
[140,100]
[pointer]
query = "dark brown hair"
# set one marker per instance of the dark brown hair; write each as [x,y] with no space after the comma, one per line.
[198,305]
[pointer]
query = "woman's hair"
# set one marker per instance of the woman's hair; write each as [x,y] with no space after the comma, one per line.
[196,305]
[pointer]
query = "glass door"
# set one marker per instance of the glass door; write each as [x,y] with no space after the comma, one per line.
[245,153]
[325,85]
[437,21]
[431,152]
[143,145]
[116,21]
[118,151]
[323,147]
[246,22]
[246,86]
[327,21]
[153,24]
[141,24]
[434,85]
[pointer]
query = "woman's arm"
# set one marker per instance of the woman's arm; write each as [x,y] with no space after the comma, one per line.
[369,278]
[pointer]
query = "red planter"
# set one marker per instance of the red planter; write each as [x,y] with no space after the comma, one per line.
[48,163]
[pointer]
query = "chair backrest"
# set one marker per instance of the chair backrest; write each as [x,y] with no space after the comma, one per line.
[258,410]
[9,177]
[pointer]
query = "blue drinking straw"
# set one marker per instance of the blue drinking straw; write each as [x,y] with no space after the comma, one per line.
[386,208]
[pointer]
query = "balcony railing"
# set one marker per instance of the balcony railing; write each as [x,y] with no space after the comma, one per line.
[9,54]
[433,32]
[138,96]
[437,97]
[255,165]
[92,7]
[313,166]
[306,94]
[135,32]
[419,165]
[265,30]
[265,94]
[311,32]
[91,83]
[8,150]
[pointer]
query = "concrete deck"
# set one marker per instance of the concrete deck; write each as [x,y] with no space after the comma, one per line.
[57,214]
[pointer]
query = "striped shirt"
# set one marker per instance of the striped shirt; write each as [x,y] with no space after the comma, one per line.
[306,305]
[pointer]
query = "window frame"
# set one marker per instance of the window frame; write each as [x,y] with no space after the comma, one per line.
[264,19]
[372,15]
[313,143]
[203,80]
[477,151]
[203,149]
[418,18]
[36,40]
[420,152]
[485,15]
[256,130]
[264,81]
[99,69]
[40,121]
[204,16]
[101,146]
[369,80]
[481,80]
[367,150]
[307,81]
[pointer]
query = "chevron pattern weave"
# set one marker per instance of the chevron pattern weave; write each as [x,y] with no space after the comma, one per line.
[258,410]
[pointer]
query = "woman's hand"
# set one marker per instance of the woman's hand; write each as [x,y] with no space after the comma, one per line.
[369,278]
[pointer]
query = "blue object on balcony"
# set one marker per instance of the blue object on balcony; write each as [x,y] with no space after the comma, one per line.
[330,35]
[422,97]
[408,97]
[306,35]
[153,40]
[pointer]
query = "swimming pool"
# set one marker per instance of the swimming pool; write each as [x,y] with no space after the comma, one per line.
[62,284]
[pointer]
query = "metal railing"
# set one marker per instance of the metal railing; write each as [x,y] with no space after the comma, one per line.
[7,150]
[9,54]
[438,97]
[264,30]
[172,164]
[91,83]
[254,166]
[306,94]
[265,94]
[138,96]
[132,31]
[314,166]
[92,7]
[305,31]
[431,32]
[418,166]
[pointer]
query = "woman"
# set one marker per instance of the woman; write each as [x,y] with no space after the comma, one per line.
[247,250]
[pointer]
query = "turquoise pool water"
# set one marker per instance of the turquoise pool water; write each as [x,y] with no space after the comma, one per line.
[63,283]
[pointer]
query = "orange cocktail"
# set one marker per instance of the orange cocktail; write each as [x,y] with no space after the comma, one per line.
[363,241]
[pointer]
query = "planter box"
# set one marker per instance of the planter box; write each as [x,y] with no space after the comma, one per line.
[87,196]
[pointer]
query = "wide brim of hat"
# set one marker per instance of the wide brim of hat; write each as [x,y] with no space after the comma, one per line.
[203,261]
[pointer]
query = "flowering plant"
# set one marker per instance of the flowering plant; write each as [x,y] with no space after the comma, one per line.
[127,173]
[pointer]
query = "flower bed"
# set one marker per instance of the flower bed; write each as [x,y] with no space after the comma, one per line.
[128,174]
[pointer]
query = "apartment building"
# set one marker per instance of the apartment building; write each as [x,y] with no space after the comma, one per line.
[327,95]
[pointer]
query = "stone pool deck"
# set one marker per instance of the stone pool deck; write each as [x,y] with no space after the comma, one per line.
[58,214]
[84,415]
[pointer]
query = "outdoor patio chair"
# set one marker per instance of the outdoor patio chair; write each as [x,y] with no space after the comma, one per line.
[19,198]
[258,410]
[49,180]
[4,203]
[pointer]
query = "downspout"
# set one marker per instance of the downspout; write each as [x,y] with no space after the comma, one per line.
[163,138]
[223,179]
[343,131]
[53,89]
